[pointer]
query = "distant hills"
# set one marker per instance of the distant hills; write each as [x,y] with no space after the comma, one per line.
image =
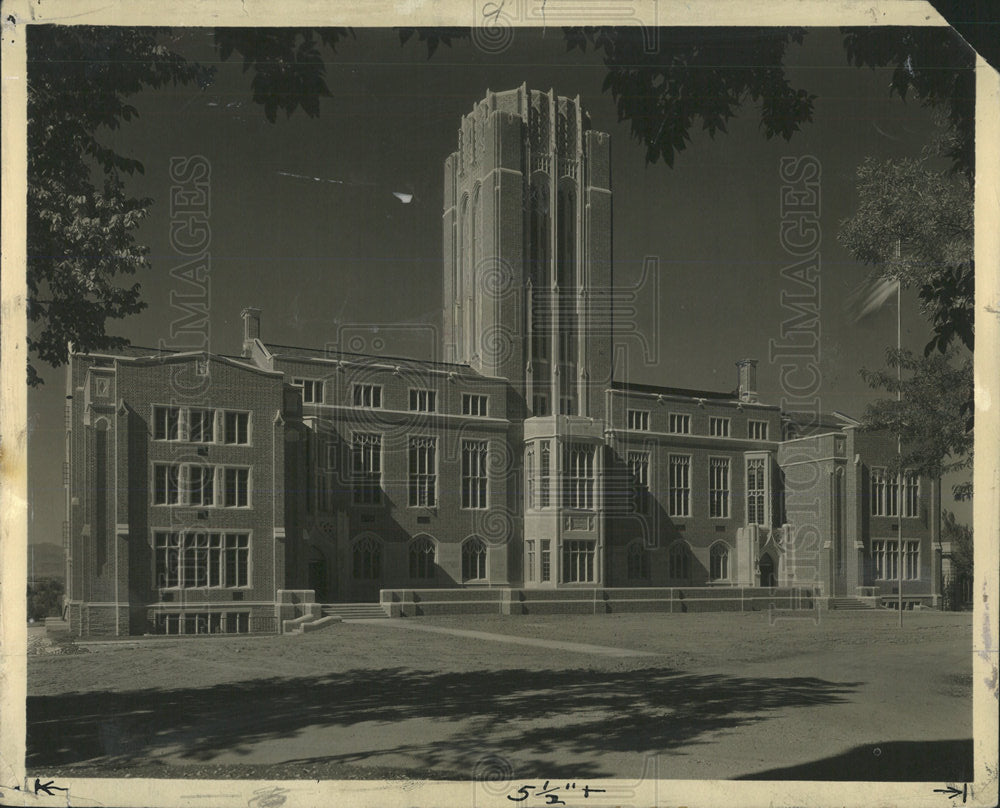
[46,560]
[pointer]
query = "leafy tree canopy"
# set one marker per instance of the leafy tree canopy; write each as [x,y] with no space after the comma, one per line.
[934,414]
[914,224]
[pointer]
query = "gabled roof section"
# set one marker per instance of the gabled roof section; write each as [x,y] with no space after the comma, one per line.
[660,390]
[138,355]
[334,355]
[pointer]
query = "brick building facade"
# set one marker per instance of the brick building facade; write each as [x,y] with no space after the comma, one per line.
[202,487]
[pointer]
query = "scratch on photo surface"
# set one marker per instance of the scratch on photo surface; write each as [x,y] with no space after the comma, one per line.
[988,651]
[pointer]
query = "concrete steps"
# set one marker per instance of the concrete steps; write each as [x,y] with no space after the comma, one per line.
[850,604]
[355,611]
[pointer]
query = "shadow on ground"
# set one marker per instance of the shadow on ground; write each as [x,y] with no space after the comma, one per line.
[925,761]
[566,714]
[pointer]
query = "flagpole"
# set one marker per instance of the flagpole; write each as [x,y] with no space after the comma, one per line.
[900,505]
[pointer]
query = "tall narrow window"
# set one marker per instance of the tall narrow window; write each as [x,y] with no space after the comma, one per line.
[366,468]
[756,492]
[474,473]
[236,493]
[878,485]
[680,485]
[201,426]
[473,560]
[529,560]
[885,560]
[718,488]
[201,485]
[544,494]
[166,423]
[529,476]
[237,428]
[546,559]
[578,491]
[578,561]
[166,484]
[422,558]
[911,560]
[911,499]
[639,465]
[423,472]
[719,562]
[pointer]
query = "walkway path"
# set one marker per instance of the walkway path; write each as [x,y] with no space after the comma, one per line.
[551,645]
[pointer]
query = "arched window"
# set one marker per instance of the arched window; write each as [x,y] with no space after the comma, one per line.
[638,561]
[367,559]
[680,561]
[719,562]
[422,558]
[473,560]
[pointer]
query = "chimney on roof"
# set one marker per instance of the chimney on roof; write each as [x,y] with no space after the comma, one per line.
[746,386]
[251,329]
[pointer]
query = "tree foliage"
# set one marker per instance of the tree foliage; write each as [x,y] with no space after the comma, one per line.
[960,538]
[81,215]
[932,64]
[44,598]
[286,63]
[934,413]
[914,224]
[696,74]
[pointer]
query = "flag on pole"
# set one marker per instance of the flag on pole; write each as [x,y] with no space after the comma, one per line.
[870,295]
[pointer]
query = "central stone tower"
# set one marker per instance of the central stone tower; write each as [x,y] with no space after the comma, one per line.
[527,250]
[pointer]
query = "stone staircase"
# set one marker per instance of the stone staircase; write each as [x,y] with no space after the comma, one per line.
[850,604]
[355,611]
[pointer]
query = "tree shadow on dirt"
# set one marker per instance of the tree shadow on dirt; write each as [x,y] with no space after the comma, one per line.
[568,714]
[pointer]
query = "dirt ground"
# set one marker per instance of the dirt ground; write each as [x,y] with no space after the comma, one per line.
[850,697]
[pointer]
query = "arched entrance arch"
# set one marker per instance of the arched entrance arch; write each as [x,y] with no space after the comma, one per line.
[768,570]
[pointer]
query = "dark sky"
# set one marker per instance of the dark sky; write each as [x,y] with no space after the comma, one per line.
[344,256]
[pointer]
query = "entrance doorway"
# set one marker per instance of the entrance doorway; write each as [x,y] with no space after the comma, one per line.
[317,580]
[767,573]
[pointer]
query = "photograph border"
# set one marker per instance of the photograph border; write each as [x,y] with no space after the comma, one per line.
[14,505]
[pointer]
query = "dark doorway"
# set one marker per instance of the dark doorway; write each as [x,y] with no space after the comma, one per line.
[317,580]
[767,576]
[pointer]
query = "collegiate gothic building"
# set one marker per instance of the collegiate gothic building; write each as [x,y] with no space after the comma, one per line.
[210,493]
